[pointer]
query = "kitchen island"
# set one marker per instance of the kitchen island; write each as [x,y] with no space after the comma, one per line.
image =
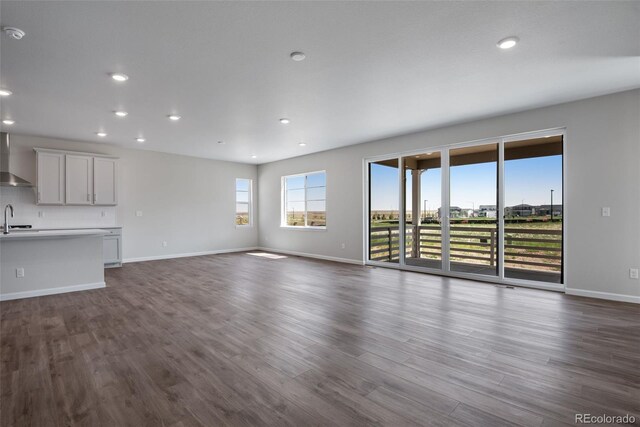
[45,262]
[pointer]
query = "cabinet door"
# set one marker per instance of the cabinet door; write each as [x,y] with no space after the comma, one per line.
[111,249]
[50,180]
[79,179]
[104,181]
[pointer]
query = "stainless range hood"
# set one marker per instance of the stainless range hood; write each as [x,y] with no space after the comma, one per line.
[7,179]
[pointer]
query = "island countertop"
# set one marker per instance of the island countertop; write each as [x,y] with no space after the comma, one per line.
[47,234]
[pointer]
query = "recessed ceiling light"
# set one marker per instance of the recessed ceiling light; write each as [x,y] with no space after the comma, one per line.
[253,156]
[101,134]
[119,77]
[8,122]
[298,56]
[302,144]
[120,113]
[5,92]
[174,117]
[140,140]
[285,121]
[508,43]
[429,153]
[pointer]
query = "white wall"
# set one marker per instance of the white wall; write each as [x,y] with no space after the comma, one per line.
[186,201]
[603,169]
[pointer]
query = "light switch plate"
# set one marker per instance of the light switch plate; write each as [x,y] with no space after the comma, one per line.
[138,213]
[19,272]
[606,211]
[633,273]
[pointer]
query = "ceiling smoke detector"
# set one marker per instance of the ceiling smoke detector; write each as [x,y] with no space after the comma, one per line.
[14,33]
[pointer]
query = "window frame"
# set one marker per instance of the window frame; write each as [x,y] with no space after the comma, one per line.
[249,203]
[283,202]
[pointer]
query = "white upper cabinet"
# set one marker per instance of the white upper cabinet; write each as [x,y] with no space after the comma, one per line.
[50,179]
[105,172]
[79,180]
[74,178]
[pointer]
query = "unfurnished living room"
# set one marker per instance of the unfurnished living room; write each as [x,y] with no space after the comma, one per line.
[319,213]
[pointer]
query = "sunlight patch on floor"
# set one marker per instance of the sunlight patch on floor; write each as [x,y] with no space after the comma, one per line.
[266,255]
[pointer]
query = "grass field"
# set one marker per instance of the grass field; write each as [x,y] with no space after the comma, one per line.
[314,219]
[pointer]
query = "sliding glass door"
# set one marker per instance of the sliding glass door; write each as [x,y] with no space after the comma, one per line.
[489,210]
[423,209]
[533,209]
[384,211]
[473,204]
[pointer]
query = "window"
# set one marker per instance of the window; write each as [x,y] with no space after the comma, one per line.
[304,200]
[243,202]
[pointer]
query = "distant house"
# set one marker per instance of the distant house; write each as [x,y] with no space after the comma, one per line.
[488,211]
[524,210]
[546,210]
[454,212]
[520,210]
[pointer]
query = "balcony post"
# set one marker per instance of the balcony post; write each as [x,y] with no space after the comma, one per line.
[492,248]
[415,211]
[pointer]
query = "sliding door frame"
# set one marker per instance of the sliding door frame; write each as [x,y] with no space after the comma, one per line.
[445,203]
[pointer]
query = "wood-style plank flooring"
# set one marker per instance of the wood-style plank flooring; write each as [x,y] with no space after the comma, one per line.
[242,340]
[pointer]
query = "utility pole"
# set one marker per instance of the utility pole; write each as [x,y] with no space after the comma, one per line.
[551,207]
[424,210]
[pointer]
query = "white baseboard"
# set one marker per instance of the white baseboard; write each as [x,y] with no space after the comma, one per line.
[603,295]
[185,255]
[52,291]
[306,255]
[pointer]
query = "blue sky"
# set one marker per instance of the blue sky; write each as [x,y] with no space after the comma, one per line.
[527,179]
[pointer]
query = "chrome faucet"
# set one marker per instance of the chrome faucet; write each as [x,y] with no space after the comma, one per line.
[6,220]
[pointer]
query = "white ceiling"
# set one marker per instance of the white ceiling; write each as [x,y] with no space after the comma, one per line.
[373,69]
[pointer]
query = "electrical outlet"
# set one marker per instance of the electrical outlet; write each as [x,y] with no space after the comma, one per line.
[103,214]
[20,272]
[164,244]
[606,211]
[40,214]
[138,213]
[633,273]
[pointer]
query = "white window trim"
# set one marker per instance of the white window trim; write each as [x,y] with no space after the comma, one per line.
[249,203]
[283,202]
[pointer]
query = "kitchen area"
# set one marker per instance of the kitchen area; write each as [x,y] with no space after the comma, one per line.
[59,225]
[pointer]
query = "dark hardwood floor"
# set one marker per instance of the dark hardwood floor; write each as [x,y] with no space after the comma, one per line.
[242,340]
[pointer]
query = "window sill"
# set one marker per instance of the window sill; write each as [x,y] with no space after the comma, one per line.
[290,227]
[244,226]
